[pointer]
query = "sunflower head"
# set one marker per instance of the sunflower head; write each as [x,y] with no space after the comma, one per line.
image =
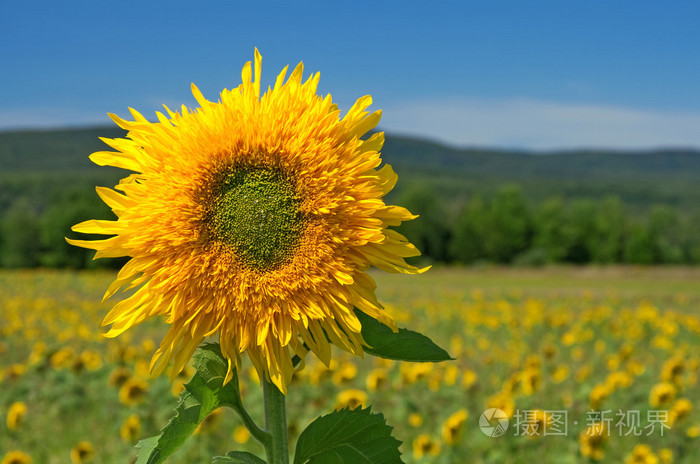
[130,429]
[82,452]
[255,218]
[16,414]
[133,391]
[16,457]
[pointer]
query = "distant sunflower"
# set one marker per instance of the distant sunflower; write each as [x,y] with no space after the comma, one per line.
[82,452]
[255,217]
[16,414]
[133,391]
[131,428]
[452,427]
[16,457]
[351,399]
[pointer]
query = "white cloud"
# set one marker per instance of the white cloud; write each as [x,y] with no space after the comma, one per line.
[537,124]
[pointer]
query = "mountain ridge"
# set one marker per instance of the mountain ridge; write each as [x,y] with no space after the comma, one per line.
[44,162]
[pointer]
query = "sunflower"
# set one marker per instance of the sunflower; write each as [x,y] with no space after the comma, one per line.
[130,429]
[16,414]
[133,391]
[593,439]
[425,445]
[642,454]
[82,452]
[254,217]
[351,399]
[452,427]
[16,457]
[241,435]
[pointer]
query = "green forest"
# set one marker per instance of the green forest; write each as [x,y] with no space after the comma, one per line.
[475,205]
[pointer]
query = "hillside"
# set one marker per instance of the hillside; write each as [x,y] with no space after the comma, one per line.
[35,164]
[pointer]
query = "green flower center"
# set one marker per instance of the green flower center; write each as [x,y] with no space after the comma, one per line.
[256,211]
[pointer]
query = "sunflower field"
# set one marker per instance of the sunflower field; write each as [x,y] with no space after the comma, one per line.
[586,364]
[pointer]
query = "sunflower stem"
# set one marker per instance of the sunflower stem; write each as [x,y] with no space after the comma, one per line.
[276,449]
[259,434]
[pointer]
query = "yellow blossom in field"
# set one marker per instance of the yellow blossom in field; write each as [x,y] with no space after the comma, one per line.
[413,372]
[15,371]
[37,354]
[16,457]
[583,373]
[536,425]
[452,427]
[142,370]
[148,345]
[672,370]
[435,381]
[618,379]
[503,401]
[469,378]
[16,414]
[451,374]
[569,339]
[425,445]
[599,346]
[415,419]
[592,439]
[662,342]
[133,391]
[125,354]
[635,367]
[130,429]
[82,452]
[91,359]
[665,456]
[62,358]
[662,394]
[351,399]
[118,376]
[679,411]
[376,379]
[598,394]
[456,345]
[529,380]
[693,432]
[345,373]
[561,373]
[625,351]
[613,362]
[384,363]
[549,350]
[241,435]
[642,454]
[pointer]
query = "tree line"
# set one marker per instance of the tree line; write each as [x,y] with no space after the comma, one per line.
[505,229]
[502,228]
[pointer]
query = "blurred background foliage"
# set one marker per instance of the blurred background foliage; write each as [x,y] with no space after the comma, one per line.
[476,205]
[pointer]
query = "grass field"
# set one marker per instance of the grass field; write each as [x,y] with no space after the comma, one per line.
[589,364]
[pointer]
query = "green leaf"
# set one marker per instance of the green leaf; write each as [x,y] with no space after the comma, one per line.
[406,345]
[203,394]
[238,457]
[146,447]
[348,437]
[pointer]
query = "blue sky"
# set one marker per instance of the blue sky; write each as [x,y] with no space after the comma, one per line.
[527,74]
